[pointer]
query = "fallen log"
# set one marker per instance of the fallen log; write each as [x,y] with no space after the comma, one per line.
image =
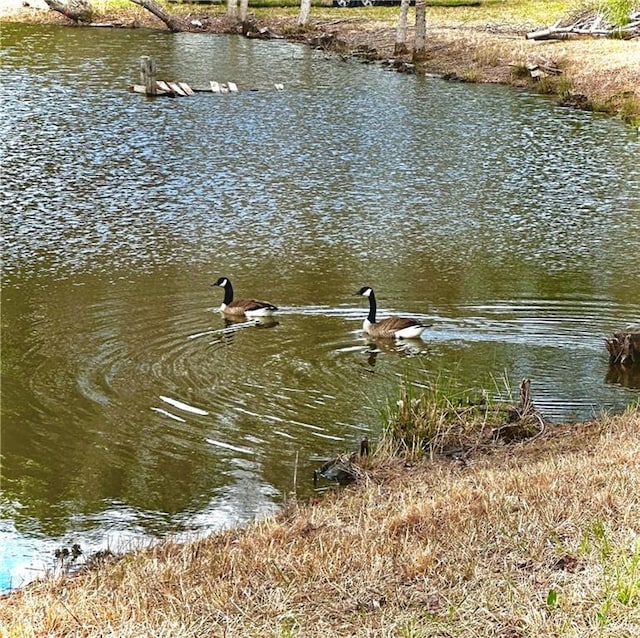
[564,33]
[588,24]
[77,10]
[173,23]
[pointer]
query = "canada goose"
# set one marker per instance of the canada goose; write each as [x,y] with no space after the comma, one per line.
[248,307]
[398,327]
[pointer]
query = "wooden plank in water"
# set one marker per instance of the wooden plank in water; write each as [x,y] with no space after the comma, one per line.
[176,89]
[186,88]
[164,87]
[139,88]
[233,87]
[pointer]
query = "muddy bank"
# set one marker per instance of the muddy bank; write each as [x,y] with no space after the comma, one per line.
[595,74]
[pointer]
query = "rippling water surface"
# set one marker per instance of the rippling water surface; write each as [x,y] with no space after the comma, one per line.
[130,409]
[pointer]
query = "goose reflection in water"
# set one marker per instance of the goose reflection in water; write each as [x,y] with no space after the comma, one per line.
[233,325]
[404,348]
[238,323]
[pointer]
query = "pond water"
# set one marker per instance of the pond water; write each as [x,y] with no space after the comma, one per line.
[130,410]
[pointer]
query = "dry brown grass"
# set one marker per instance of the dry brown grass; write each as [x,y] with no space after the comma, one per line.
[536,539]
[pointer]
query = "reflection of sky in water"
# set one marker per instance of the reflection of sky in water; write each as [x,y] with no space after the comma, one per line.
[463,173]
[25,555]
[131,410]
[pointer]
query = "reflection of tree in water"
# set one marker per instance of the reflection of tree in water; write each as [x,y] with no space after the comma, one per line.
[627,376]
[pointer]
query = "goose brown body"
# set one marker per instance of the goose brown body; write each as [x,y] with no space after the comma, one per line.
[240,307]
[392,327]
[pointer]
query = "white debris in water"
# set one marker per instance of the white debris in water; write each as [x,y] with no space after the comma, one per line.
[183,406]
[171,416]
[228,446]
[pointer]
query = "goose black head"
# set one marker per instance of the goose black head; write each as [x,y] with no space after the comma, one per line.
[222,282]
[365,291]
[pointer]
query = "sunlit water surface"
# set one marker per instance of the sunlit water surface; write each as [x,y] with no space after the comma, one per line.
[130,410]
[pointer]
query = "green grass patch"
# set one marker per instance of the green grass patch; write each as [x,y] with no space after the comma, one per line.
[619,568]
[617,11]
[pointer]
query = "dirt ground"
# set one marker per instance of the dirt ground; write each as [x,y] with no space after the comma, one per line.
[595,73]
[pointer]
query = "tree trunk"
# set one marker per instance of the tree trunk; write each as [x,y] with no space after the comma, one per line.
[232,9]
[401,29]
[244,7]
[173,24]
[305,9]
[419,47]
[78,10]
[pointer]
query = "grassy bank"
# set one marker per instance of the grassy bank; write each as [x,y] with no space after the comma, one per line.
[484,42]
[535,538]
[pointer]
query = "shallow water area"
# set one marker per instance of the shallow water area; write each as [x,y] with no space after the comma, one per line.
[131,409]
